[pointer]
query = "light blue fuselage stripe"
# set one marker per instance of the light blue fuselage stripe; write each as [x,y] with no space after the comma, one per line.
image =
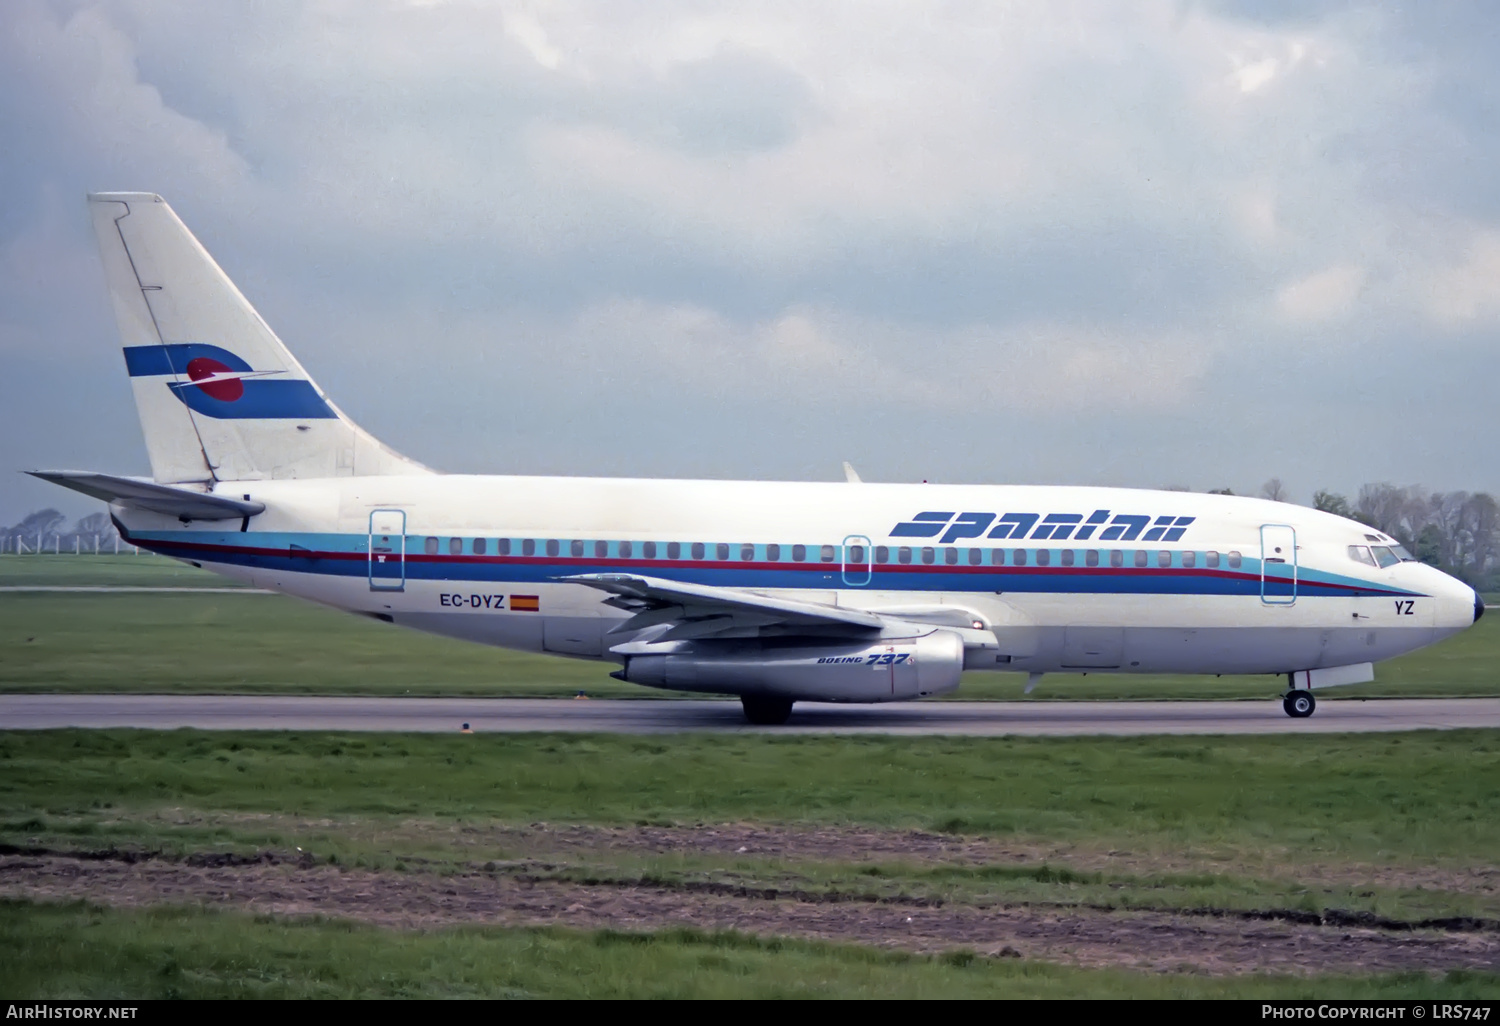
[338,555]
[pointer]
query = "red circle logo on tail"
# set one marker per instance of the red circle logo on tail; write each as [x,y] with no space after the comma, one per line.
[205,372]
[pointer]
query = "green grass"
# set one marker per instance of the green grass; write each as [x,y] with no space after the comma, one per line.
[1210,821]
[76,951]
[216,643]
[143,571]
[1369,796]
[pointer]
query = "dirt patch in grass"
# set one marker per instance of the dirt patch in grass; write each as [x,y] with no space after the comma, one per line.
[565,842]
[1157,941]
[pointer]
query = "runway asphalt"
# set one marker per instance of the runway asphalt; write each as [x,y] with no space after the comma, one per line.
[512,715]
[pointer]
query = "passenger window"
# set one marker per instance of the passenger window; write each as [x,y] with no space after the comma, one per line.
[773,552]
[674,550]
[503,546]
[826,553]
[1234,560]
[1190,559]
[1091,557]
[698,550]
[430,546]
[479,546]
[903,554]
[1067,557]
[1116,557]
[1043,557]
[648,550]
[929,555]
[1164,558]
[575,548]
[747,553]
[455,546]
[799,553]
[626,549]
[950,556]
[1211,559]
[1018,557]
[856,554]
[528,547]
[721,550]
[553,547]
[976,556]
[1360,554]
[997,557]
[1140,557]
[882,554]
[601,550]
[1384,556]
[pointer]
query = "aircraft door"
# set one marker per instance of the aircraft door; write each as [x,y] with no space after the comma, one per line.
[1278,564]
[388,550]
[859,560]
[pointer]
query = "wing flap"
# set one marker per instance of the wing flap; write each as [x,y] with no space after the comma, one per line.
[701,610]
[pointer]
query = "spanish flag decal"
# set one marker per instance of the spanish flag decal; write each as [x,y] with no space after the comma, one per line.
[525,604]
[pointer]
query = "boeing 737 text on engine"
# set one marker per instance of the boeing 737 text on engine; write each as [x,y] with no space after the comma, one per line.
[777,592]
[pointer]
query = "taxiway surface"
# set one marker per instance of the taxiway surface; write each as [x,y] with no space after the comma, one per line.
[510,715]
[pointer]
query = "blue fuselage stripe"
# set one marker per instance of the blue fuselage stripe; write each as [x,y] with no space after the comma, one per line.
[346,556]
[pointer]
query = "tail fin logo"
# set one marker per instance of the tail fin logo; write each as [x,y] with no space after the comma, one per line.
[221,385]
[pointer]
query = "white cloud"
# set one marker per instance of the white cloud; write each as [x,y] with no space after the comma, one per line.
[1468,291]
[1327,295]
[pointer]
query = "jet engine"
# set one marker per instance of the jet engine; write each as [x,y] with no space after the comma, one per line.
[889,670]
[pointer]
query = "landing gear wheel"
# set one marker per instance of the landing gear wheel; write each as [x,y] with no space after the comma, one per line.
[1299,704]
[766,711]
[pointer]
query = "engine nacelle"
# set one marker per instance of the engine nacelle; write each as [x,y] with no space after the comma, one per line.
[886,671]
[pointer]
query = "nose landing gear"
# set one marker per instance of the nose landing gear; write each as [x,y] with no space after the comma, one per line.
[1299,704]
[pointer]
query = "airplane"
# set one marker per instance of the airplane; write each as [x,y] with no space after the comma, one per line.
[777,592]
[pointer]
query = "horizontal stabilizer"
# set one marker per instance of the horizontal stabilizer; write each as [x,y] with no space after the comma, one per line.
[134,493]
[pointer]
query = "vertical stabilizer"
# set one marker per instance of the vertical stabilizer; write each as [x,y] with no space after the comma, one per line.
[219,396]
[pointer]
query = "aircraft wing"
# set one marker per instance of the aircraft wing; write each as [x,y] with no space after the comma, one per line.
[703,611]
[134,493]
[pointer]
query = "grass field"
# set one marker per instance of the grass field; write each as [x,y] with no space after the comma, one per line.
[74,951]
[217,643]
[1240,822]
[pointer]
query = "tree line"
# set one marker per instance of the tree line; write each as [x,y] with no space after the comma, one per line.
[1457,532]
[49,530]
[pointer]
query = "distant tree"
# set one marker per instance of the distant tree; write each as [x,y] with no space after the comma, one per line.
[1429,547]
[1385,507]
[1332,502]
[1220,491]
[42,522]
[94,523]
[1479,523]
[1176,488]
[1273,490]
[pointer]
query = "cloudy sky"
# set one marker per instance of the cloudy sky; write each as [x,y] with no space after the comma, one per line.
[1163,243]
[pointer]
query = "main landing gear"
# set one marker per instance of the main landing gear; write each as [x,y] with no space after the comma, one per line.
[1299,704]
[766,710]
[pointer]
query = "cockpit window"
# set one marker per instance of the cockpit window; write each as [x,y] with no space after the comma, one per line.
[1360,554]
[1405,557]
[1384,556]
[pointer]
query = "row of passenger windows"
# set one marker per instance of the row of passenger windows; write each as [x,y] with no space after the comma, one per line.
[855,554]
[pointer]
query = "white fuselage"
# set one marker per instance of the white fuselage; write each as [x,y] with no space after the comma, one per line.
[1069,579]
